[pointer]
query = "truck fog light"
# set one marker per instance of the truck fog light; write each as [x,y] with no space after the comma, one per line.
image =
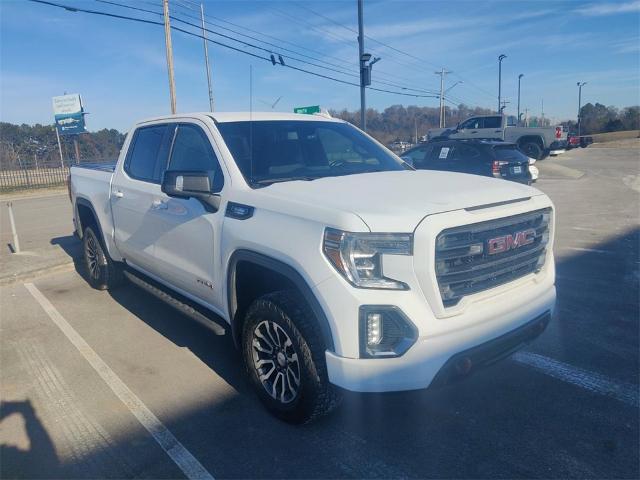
[374,328]
[385,331]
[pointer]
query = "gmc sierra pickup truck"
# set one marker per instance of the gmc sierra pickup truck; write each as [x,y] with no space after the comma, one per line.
[328,261]
[534,142]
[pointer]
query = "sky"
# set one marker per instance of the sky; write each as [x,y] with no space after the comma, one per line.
[119,66]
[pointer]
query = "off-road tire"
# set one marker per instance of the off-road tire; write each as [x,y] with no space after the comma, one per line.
[315,396]
[102,272]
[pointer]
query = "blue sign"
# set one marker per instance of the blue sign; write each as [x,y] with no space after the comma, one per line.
[69,114]
[70,123]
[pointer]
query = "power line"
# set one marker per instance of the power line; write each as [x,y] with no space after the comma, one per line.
[339,70]
[152,22]
[382,74]
[386,45]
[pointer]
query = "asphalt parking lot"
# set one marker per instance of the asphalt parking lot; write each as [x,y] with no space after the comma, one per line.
[566,406]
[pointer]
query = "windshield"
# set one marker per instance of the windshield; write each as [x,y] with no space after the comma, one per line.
[278,151]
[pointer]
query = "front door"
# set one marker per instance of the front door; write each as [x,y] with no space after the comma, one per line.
[187,248]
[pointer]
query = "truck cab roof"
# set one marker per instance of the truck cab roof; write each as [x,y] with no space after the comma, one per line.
[223,117]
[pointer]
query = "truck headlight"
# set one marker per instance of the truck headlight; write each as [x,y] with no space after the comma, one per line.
[358,256]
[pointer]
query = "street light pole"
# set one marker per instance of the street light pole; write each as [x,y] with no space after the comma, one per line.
[206,57]
[500,58]
[363,106]
[442,73]
[580,85]
[169,48]
[519,78]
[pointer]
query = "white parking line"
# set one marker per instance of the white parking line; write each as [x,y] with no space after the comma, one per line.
[189,465]
[593,382]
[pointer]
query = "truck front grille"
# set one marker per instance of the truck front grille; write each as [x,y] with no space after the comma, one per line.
[480,256]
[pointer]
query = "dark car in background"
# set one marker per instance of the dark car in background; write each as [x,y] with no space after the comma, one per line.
[479,157]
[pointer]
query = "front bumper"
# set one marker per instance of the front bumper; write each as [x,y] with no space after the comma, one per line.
[558,145]
[431,359]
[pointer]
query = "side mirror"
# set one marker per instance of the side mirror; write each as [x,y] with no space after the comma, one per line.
[191,184]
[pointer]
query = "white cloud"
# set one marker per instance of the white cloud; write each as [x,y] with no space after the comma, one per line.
[600,9]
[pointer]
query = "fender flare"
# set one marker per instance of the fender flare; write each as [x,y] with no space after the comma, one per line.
[87,203]
[286,271]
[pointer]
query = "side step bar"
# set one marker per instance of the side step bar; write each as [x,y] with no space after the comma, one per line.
[183,305]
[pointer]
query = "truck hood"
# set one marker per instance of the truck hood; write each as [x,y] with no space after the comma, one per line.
[397,201]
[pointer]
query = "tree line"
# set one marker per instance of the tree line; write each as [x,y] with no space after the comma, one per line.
[36,145]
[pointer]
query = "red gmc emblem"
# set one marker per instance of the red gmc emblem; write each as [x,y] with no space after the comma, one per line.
[510,242]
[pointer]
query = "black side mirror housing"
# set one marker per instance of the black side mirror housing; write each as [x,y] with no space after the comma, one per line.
[191,184]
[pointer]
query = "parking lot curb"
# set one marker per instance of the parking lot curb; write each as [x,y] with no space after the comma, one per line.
[32,274]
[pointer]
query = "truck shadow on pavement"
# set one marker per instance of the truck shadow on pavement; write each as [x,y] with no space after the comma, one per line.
[506,421]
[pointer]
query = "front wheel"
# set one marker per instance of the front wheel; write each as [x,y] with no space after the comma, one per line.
[284,356]
[102,272]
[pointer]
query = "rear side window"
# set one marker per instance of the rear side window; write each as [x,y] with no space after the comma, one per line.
[192,150]
[148,153]
[466,153]
[492,122]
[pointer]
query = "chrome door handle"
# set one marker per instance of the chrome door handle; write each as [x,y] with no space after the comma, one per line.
[118,194]
[159,205]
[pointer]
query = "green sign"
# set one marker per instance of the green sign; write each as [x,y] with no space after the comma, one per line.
[307,110]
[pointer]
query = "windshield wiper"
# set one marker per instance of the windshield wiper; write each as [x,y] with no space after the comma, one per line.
[265,182]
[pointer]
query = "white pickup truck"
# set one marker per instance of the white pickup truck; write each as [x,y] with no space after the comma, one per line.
[535,142]
[330,262]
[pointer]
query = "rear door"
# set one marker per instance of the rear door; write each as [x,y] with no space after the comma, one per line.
[187,247]
[135,185]
[469,158]
[491,127]
[439,157]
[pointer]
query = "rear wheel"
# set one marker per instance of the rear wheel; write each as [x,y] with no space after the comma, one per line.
[532,149]
[102,272]
[284,355]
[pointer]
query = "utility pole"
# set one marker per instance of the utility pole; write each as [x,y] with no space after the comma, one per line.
[500,59]
[580,85]
[519,78]
[526,117]
[363,101]
[415,126]
[167,40]
[504,105]
[206,57]
[365,67]
[442,73]
[542,114]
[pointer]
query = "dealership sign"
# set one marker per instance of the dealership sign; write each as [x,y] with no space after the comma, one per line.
[69,114]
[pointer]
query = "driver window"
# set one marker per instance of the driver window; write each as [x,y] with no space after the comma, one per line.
[471,124]
[192,151]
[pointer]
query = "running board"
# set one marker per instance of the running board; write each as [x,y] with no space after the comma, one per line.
[189,309]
